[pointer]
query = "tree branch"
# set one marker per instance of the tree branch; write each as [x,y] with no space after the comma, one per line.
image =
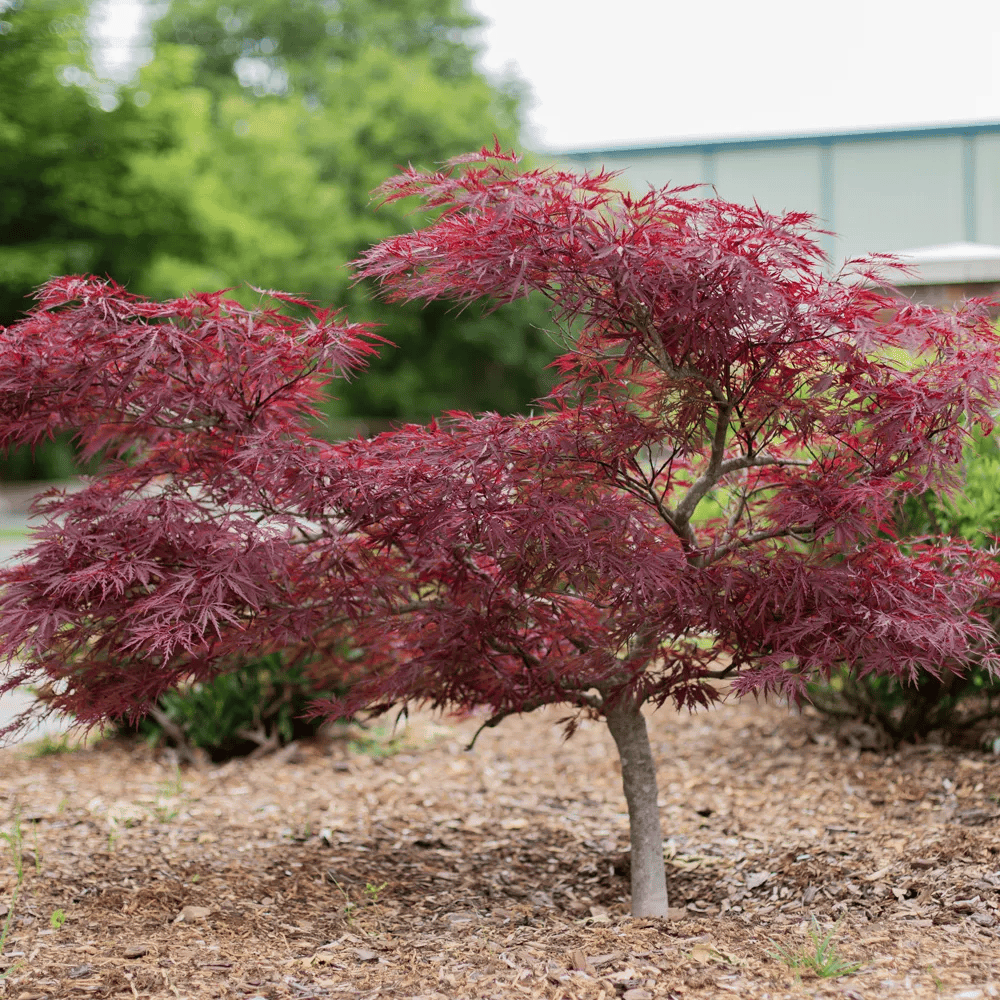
[760,536]
[578,698]
[185,750]
[712,474]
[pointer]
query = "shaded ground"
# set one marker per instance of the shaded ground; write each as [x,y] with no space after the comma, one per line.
[420,870]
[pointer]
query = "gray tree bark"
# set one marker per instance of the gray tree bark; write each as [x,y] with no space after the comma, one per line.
[649,879]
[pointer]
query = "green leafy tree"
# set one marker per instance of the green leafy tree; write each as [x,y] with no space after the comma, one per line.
[71,198]
[306,108]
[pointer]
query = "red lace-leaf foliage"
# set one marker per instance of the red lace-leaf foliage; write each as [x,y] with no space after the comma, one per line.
[708,491]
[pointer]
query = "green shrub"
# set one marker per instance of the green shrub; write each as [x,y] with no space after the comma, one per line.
[952,704]
[49,460]
[974,512]
[254,708]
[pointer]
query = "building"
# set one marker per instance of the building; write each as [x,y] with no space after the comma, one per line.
[942,275]
[932,192]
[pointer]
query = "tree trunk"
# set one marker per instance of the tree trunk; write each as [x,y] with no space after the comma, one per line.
[649,879]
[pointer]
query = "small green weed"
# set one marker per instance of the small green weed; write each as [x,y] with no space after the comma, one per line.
[375,748]
[174,786]
[821,960]
[372,891]
[38,853]
[166,807]
[49,747]
[349,906]
[165,813]
[57,919]
[5,932]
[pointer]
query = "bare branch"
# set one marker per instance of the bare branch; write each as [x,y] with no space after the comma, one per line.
[581,698]
[195,756]
[759,536]
[712,474]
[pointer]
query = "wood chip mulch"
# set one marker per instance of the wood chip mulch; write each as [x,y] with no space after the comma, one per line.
[362,865]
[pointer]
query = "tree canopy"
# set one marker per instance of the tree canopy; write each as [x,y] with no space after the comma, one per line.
[707,494]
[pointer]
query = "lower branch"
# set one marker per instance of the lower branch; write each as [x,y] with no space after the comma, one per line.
[578,698]
[185,750]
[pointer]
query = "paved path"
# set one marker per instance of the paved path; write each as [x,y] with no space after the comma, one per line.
[14,526]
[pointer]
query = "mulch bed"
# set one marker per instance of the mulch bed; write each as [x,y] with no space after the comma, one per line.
[365,866]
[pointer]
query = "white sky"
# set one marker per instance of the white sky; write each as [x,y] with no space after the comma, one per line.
[642,71]
[638,71]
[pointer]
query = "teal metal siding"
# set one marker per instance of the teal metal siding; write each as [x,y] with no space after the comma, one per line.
[880,191]
[987,193]
[893,194]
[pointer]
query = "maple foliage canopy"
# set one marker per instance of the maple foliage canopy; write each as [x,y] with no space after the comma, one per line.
[707,491]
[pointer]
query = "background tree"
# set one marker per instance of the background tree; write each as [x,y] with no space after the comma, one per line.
[72,198]
[245,154]
[355,90]
[704,496]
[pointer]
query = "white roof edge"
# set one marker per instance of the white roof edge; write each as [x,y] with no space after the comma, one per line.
[950,264]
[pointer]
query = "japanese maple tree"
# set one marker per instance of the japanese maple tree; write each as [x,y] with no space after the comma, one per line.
[705,498]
